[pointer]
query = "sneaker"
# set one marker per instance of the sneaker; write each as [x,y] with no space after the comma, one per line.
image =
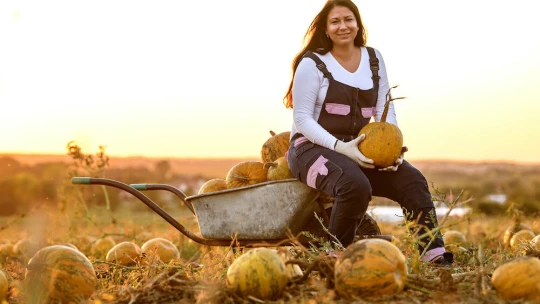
[444,260]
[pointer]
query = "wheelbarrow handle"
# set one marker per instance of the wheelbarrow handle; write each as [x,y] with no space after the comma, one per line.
[149,203]
[176,191]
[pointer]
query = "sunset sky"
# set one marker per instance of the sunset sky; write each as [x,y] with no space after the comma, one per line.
[206,78]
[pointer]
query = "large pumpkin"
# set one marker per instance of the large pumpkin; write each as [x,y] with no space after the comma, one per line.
[213,185]
[370,267]
[59,273]
[124,253]
[518,279]
[278,169]
[246,173]
[4,284]
[164,249]
[259,273]
[383,142]
[275,147]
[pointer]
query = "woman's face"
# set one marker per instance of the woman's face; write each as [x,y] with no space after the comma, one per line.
[341,26]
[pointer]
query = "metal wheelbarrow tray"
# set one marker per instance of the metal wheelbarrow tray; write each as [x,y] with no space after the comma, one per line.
[263,214]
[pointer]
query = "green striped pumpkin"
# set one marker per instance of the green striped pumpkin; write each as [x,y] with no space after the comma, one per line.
[260,273]
[59,273]
[368,268]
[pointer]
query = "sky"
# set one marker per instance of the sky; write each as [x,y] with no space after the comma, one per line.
[204,79]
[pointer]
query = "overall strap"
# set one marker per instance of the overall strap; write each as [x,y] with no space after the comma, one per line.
[374,66]
[320,65]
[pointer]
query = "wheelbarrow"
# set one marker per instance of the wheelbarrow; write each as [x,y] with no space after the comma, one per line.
[264,214]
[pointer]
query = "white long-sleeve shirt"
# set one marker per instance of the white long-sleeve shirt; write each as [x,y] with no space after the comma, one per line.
[310,87]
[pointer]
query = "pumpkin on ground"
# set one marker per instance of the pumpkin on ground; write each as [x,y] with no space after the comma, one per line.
[4,284]
[279,169]
[518,279]
[102,246]
[164,249]
[368,268]
[259,273]
[521,237]
[59,273]
[246,173]
[213,185]
[516,227]
[454,237]
[383,142]
[124,253]
[535,242]
[275,147]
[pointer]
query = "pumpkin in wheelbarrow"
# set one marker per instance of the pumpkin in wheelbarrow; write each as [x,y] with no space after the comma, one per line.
[368,268]
[275,147]
[60,274]
[213,185]
[246,173]
[259,273]
[278,169]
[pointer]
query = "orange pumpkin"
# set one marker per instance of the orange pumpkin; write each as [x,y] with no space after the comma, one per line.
[4,284]
[454,237]
[383,142]
[124,253]
[275,147]
[213,185]
[278,169]
[368,268]
[518,279]
[245,174]
[164,249]
[59,273]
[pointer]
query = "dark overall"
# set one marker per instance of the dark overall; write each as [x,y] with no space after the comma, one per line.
[344,112]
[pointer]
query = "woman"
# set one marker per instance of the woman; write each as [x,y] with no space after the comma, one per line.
[338,84]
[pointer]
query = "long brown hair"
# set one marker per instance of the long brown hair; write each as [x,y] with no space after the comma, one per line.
[317,41]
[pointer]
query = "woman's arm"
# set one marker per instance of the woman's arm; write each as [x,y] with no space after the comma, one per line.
[306,86]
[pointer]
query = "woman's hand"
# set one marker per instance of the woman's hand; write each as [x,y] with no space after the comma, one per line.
[350,149]
[398,162]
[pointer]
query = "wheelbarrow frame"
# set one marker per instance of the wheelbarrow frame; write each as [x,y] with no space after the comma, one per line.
[136,190]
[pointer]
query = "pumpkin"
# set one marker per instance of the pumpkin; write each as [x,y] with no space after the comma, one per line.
[61,274]
[383,142]
[518,279]
[102,246]
[275,147]
[535,242]
[521,237]
[278,169]
[213,185]
[258,273]
[124,253]
[513,229]
[246,173]
[370,267]
[4,284]
[164,249]
[454,237]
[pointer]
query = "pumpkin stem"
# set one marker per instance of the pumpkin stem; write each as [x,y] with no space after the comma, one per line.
[387,104]
[272,133]
[269,164]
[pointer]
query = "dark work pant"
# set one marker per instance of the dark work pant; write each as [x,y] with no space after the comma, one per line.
[353,187]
